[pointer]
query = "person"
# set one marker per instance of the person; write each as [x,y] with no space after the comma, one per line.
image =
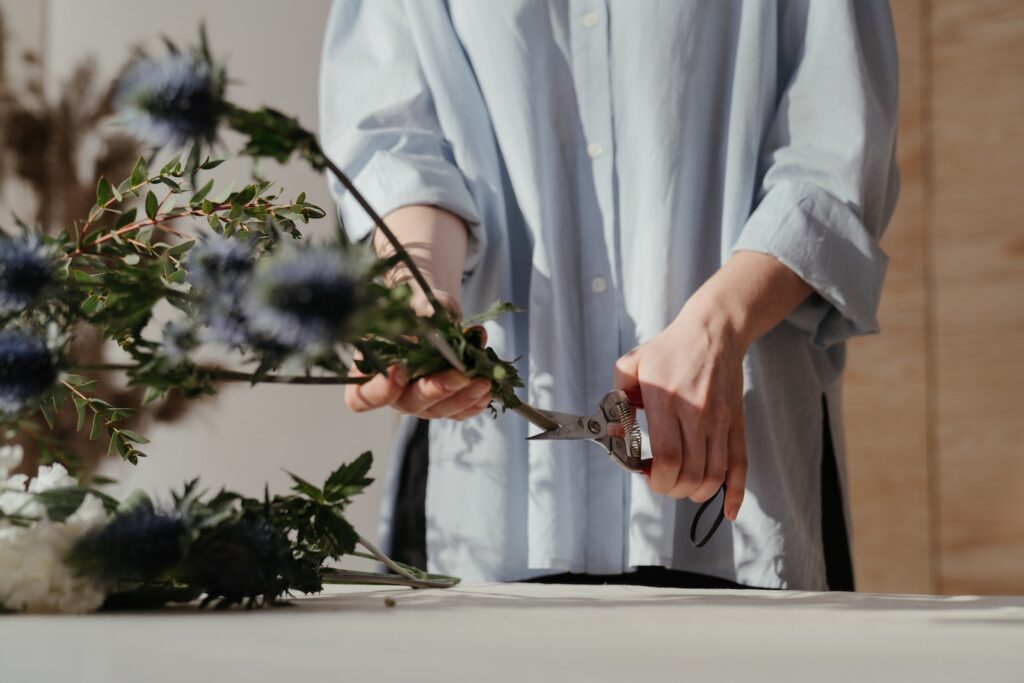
[687,198]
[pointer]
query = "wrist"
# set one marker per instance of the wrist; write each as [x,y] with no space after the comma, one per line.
[725,317]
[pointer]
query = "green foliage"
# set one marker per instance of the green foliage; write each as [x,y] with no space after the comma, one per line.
[132,255]
[236,549]
[269,133]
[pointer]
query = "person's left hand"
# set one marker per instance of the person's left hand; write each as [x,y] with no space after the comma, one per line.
[690,377]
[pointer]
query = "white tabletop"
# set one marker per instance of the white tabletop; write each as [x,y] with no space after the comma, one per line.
[525,632]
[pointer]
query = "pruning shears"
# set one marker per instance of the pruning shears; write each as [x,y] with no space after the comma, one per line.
[614,426]
[617,411]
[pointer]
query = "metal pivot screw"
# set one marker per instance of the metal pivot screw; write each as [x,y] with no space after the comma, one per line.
[594,427]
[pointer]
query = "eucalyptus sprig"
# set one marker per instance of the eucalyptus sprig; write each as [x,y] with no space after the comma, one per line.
[182,101]
[231,267]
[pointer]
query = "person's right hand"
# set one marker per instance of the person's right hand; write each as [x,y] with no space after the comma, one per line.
[448,393]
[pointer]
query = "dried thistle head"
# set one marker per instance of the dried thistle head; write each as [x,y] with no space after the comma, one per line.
[177,100]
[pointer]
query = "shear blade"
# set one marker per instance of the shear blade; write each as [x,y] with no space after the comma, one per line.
[568,431]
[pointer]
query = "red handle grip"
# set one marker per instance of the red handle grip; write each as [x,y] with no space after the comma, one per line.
[636,399]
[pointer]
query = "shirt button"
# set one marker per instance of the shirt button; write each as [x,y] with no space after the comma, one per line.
[595,150]
[590,19]
[599,285]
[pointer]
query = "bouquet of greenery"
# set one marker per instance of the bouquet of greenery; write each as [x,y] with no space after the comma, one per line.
[227,271]
[230,262]
[65,547]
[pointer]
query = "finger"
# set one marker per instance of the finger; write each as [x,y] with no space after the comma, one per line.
[691,474]
[465,399]
[666,440]
[627,369]
[736,475]
[428,391]
[380,390]
[716,464]
[474,410]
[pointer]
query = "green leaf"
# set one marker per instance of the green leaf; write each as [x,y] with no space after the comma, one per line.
[170,165]
[151,205]
[133,436]
[349,479]
[97,427]
[47,412]
[125,218]
[178,277]
[139,173]
[179,249]
[153,394]
[305,488]
[80,381]
[104,192]
[495,310]
[175,187]
[80,404]
[131,259]
[90,305]
[199,196]
[246,195]
[211,164]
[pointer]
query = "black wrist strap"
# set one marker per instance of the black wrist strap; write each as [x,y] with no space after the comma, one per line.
[714,525]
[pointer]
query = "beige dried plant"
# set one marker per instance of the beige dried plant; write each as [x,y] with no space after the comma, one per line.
[43,144]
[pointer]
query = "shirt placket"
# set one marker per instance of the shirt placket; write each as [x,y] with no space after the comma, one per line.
[606,488]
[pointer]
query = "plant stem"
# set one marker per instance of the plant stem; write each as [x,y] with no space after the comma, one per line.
[233,375]
[348,576]
[382,226]
[385,560]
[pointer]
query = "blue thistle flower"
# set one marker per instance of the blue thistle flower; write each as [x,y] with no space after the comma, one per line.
[238,561]
[140,544]
[178,340]
[219,262]
[303,299]
[177,100]
[219,269]
[28,369]
[26,270]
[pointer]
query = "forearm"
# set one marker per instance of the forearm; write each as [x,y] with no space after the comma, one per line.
[437,241]
[748,296]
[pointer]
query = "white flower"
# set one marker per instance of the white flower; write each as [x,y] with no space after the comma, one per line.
[89,514]
[51,477]
[10,458]
[15,500]
[33,575]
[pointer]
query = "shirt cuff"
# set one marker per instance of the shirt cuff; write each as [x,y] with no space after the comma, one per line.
[822,240]
[390,181]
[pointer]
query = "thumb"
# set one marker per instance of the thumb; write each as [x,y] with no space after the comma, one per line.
[627,369]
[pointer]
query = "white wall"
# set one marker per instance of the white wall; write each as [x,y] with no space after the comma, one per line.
[246,436]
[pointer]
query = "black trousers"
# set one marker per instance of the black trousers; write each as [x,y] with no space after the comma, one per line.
[409,538]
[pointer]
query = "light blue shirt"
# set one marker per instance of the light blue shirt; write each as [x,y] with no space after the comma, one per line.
[608,157]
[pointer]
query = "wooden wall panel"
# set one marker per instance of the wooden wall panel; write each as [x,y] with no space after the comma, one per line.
[977,242]
[885,388]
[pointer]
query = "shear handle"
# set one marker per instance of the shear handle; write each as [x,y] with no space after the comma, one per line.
[637,401]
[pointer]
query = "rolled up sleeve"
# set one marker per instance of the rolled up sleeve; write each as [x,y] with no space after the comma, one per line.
[828,178]
[377,122]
